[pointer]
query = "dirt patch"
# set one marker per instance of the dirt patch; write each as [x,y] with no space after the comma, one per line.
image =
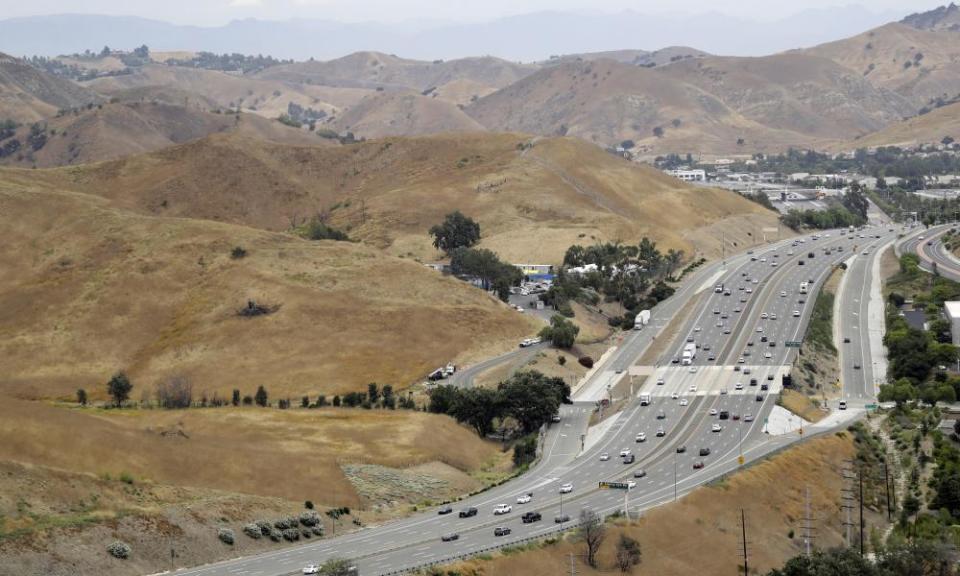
[593,326]
[802,405]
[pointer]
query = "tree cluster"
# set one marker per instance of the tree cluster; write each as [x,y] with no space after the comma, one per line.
[456,231]
[920,557]
[484,265]
[528,399]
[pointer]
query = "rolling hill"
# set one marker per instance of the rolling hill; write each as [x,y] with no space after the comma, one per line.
[929,128]
[28,94]
[113,130]
[377,70]
[532,198]
[403,113]
[99,289]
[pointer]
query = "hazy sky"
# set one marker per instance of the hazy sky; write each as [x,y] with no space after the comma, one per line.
[215,12]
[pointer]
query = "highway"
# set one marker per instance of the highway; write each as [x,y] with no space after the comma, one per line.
[934,257]
[686,406]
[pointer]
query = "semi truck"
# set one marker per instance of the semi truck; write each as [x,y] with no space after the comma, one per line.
[643,318]
[689,352]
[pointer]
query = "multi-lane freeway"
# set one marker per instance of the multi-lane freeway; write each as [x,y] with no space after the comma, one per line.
[741,333]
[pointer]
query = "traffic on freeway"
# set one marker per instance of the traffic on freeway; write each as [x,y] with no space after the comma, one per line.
[692,420]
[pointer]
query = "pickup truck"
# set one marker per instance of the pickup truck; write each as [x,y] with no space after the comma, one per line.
[531,517]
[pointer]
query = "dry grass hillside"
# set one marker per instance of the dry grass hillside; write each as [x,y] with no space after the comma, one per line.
[703,104]
[402,113]
[530,204]
[701,533]
[264,97]
[114,130]
[27,94]
[919,65]
[375,69]
[98,289]
[928,128]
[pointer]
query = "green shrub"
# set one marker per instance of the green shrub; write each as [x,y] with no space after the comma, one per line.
[120,550]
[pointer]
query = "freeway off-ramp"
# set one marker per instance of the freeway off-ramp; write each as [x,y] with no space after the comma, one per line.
[415,541]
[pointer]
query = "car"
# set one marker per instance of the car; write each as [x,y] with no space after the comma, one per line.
[698,465]
[746,353]
[690,338]
[468,512]
[661,432]
[856,366]
[750,343]
[746,370]
[724,414]
[773,344]
[642,437]
[759,329]
[764,316]
[715,428]
[697,329]
[749,290]
[555,418]
[683,402]
[740,360]
[846,339]
[524,498]
[693,369]
[764,387]
[675,395]
[759,397]
[796,313]
[719,324]
[748,417]
[773,316]
[568,487]
[763,338]
[640,474]
[706,348]
[727,330]
[755,281]
[736,368]
[704,451]
[738,386]
[743,300]
[311,569]
[724,316]
[661,415]
[604,457]
[716,310]
[519,309]
[445,510]
[773,264]
[681,449]
[767,355]
[625,452]
[843,404]
[660,382]
[783,293]
[561,518]
[800,263]
[801,301]
[736,417]
[531,517]
[770,377]
[450,537]
[501,531]
[753,381]
[693,388]
[628,459]
[713,412]
[675,360]
[711,358]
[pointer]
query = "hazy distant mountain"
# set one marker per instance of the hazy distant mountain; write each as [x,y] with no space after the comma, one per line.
[527,37]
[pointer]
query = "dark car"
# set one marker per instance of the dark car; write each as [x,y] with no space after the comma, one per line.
[800,263]
[629,459]
[759,397]
[846,339]
[773,344]
[501,531]
[809,254]
[736,416]
[561,519]
[753,381]
[468,512]
[450,537]
[698,465]
[770,377]
[675,360]
[681,449]
[704,451]
[640,474]
[661,415]
[856,366]
[711,358]
[531,517]
[445,510]
[764,387]
[763,338]
[724,415]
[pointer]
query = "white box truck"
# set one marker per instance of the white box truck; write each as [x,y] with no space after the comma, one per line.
[689,352]
[642,319]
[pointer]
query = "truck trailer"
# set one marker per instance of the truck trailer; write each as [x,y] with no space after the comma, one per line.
[689,352]
[643,318]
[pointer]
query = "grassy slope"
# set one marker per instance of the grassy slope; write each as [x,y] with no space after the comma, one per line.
[701,533]
[98,289]
[531,205]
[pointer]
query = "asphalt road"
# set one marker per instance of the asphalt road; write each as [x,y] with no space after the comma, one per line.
[934,257]
[415,541]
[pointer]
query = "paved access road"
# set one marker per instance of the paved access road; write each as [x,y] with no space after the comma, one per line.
[687,421]
[934,257]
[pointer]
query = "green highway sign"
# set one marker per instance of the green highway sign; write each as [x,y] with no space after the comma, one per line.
[871,406]
[614,485]
[793,343]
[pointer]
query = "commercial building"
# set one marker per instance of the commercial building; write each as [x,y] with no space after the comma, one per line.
[689,175]
[952,310]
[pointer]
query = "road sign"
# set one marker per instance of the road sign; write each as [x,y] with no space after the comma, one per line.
[614,485]
[740,460]
[793,343]
[871,406]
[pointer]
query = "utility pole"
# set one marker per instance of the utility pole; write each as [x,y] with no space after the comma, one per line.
[808,528]
[861,511]
[743,528]
[886,484]
[846,496]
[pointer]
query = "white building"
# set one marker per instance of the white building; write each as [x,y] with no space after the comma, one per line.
[689,175]
[952,310]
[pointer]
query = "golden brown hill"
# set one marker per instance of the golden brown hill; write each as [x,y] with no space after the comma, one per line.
[697,104]
[114,130]
[532,198]
[403,113]
[97,289]
[929,128]
[28,94]
[375,69]
[264,97]
[920,65]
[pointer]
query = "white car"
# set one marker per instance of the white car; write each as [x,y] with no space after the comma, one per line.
[796,313]
[693,387]
[683,402]
[767,355]
[783,293]
[759,328]
[625,452]
[502,509]
[713,411]
[773,316]
[568,488]
[675,395]
[524,498]
[604,457]
[755,281]
[697,329]
[740,360]
[716,428]
[660,382]
[693,369]
[749,290]
[642,437]
[764,316]
[519,308]
[739,386]
[311,569]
